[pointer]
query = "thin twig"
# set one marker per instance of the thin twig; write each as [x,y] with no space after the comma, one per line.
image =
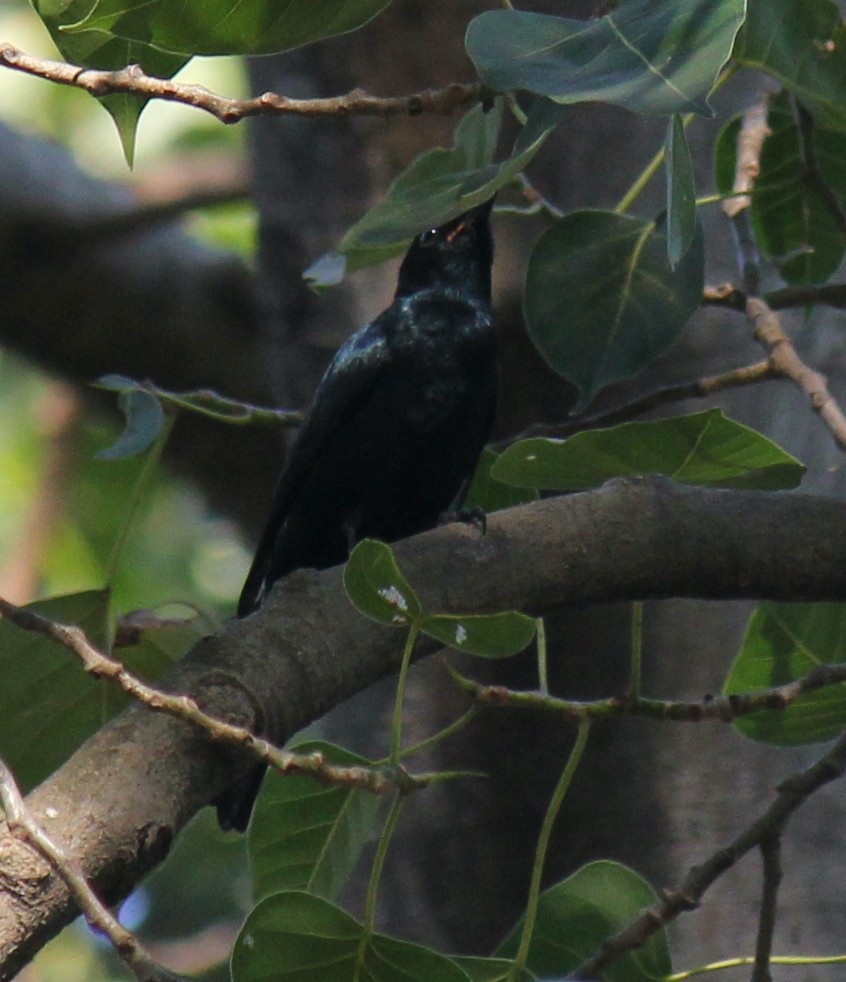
[793,793]
[375,780]
[761,371]
[750,141]
[770,849]
[22,823]
[135,81]
[725,709]
[806,295]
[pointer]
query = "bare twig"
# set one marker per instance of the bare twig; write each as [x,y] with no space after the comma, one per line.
[765,322]
[23,824]
[807,295]
[135,81]
[376,779]
[761,371]
[750,140]
[724,709]
[771,856]
[793,793]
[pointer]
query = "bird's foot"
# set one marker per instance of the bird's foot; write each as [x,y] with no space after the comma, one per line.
[467,516]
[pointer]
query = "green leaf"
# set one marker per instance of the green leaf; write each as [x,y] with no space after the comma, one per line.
[681,192]
[306,835]
[490,495]
[802,43]
[96,49]
[703,448]
[304,938]
[795,225]
[646,55]
[601,301]
[144,421]
[578,914]
[377,588]
[48,705]
[436,187]
[488,635]
[783,642]
[225,27]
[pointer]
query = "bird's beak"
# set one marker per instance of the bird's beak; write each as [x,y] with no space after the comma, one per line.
[472,217]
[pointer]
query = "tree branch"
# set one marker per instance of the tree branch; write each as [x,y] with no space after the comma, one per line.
[22,823]
[117,804]
[792,794]
[135,81]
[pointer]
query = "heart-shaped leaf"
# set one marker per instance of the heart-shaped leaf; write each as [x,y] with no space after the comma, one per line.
[578,914]
[646,55]
[601,300]
[783,642]
[802,43]
[487,635]
[302,938]
[305,835]
[223,27]
[376,586]
[703,448]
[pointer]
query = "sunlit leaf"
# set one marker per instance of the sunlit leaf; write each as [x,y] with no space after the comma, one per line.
[225,27]
[304,938]
[681,193]
[96,49]
[783,642]
[376,586]
[703,448]
[601,301]
[646,55]
[578,914]
[306,835]
[488,635]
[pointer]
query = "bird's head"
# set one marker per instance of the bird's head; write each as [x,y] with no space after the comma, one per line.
[456,255]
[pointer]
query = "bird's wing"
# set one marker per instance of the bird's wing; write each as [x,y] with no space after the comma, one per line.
[345,387]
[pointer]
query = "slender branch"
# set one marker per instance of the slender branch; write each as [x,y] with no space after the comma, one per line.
[133,80]
[807,295]
[761,371]
[792,794]
[771,855]
[724,709]
[765,322]
[750,141]
[376,780]
[23,824]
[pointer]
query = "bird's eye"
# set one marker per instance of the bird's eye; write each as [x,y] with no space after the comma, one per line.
[427,238]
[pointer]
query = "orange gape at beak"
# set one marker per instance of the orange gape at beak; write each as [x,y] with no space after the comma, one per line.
[453,235]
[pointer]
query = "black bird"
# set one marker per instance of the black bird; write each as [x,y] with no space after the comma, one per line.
[395,429]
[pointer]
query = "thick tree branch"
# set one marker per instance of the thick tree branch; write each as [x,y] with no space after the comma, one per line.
[135,81]
[118,802]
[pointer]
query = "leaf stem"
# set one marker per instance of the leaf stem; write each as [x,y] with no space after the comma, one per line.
[750,960]
[637,649]
[555,803]
[402,681]
[375,877]
[139,492]
[447,731]
[543,677]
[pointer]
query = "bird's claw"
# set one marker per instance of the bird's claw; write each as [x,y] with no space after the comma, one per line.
[476,517]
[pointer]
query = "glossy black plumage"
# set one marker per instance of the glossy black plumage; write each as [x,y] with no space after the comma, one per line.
[396,426]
